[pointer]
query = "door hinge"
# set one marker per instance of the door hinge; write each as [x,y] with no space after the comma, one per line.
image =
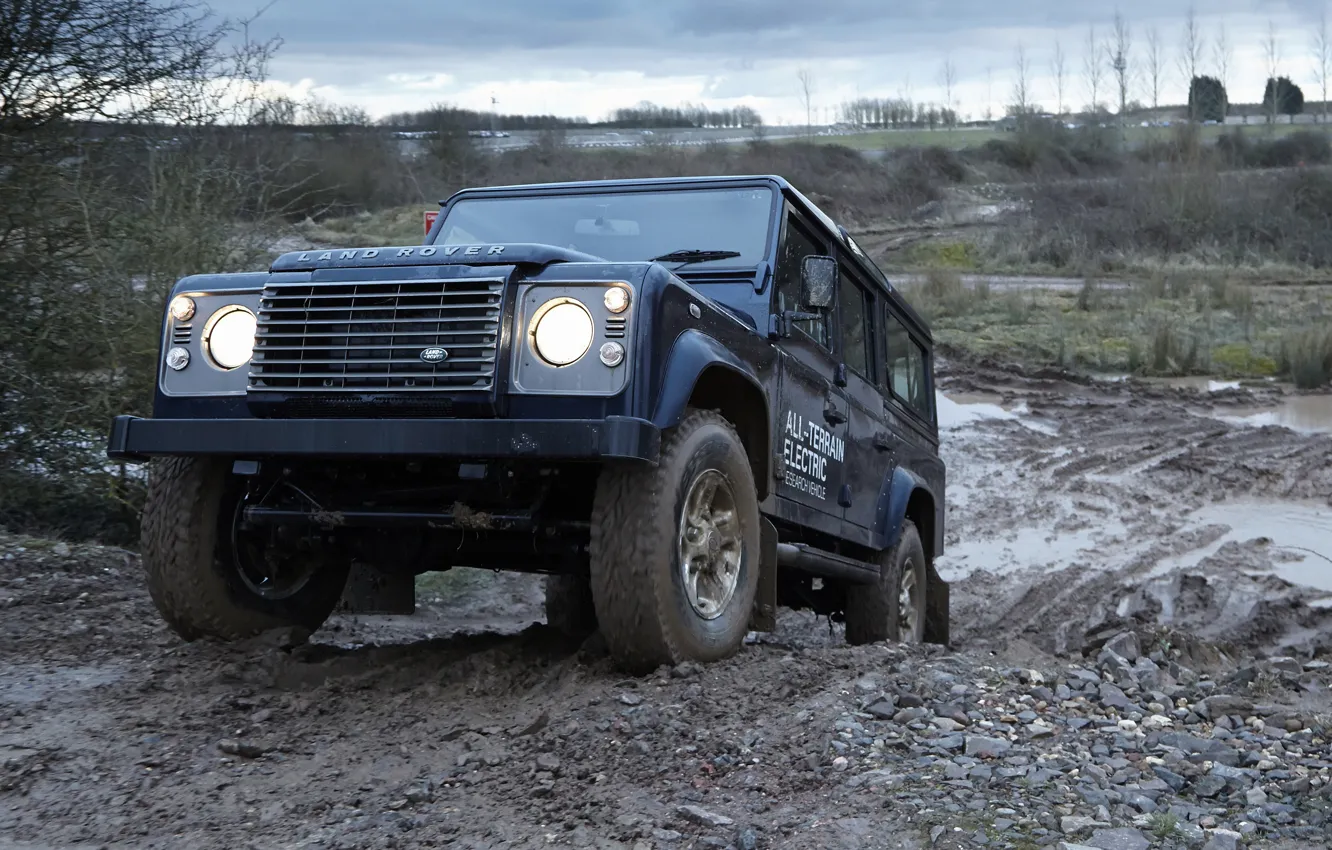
[839,375]
[844,498]
[883,443]
[833,415]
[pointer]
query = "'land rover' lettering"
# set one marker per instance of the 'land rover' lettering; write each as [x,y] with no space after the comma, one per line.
[427,251]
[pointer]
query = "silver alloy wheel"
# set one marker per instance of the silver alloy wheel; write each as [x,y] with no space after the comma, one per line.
[711,547]
[906,602]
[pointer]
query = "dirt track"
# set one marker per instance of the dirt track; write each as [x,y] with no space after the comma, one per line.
[1074,513]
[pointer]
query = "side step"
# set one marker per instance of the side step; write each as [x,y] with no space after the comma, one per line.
[825,564]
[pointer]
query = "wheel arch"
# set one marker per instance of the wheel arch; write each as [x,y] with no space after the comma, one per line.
[909,497]
[702,373]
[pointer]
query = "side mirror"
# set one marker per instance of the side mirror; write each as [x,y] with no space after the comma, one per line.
[818,282]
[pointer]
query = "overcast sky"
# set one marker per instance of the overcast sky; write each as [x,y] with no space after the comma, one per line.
[585,57]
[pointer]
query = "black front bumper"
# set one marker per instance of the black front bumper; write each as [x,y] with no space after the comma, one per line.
[615,437]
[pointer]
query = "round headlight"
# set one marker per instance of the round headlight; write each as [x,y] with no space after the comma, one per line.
[230,337]
[617,299]
[562,332]
[182,308]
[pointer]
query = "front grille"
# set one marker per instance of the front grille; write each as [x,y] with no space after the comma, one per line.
[377,336]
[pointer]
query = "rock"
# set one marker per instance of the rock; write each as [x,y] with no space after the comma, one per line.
[1114,698]
[747,839]
[1073,824]
[1209,785]
[910,701]
[1219,704]
[1119,839]
[987,748]
[1065,845]
[702,817]
[1286,664]
[867,685]
[1255,797]
[883,709]
[840,763]
[1125,645]
[1116,665]
[548,761]
[241,748]
[876,778]
[907,716]
[631,699]
[1222,839]
[1147,674]
[416,796]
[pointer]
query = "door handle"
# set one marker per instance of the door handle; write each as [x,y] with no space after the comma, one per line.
[883,443]
[833,415]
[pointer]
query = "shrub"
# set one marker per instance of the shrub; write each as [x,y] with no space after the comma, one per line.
[1306,357]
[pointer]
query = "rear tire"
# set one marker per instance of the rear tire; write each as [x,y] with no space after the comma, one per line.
[671,586]
[895,608]
[192,566]
[569,606]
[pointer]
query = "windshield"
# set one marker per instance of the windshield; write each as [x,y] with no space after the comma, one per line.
[625,226]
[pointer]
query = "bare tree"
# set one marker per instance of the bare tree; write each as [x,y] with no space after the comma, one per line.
[807,97]
[1022,83]
[1224,54]
[1120,53]
[1059,66]
[1272,58]
[1322,50]
[948,76]
[1190,55]
[1092,68]
[989,93]
[1155,66]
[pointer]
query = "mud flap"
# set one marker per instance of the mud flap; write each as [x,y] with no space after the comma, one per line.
[936,608]
[764,617]
[370,591]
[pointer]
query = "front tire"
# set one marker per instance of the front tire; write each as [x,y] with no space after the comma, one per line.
[675,549]
[894,609]
[201,572]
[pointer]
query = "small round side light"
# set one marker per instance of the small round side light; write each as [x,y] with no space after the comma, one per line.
[612,354]
[616,299]
[182,308]
[178,358]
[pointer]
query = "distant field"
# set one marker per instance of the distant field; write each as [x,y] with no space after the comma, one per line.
[877,140]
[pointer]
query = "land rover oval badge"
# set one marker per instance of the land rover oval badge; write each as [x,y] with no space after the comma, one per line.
[434,355]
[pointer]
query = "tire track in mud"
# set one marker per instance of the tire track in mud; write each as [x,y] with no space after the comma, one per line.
[1071,512]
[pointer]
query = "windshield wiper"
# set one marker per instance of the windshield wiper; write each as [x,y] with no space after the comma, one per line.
[695,255]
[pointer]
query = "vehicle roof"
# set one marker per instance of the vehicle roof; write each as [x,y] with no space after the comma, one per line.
[807,206]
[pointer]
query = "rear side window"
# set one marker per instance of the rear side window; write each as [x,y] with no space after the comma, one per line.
[857,332]
[907,379]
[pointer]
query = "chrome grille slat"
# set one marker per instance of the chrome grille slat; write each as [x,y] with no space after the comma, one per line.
[367,337]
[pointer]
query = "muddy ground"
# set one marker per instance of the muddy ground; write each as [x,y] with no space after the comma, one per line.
[1140,611]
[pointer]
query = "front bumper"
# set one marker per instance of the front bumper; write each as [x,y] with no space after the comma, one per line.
[615,437]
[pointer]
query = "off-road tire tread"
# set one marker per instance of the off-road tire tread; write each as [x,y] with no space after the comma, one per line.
[871,610]
[177,542]
[632,518]
[569,607]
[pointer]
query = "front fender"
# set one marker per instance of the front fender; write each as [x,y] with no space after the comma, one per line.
[692,353]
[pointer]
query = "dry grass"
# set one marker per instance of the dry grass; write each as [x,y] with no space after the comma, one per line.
[1195,324]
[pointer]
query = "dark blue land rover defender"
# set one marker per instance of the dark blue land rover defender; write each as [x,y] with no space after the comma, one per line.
[687,402]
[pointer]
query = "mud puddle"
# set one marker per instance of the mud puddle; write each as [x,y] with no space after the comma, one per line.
[1298,536]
